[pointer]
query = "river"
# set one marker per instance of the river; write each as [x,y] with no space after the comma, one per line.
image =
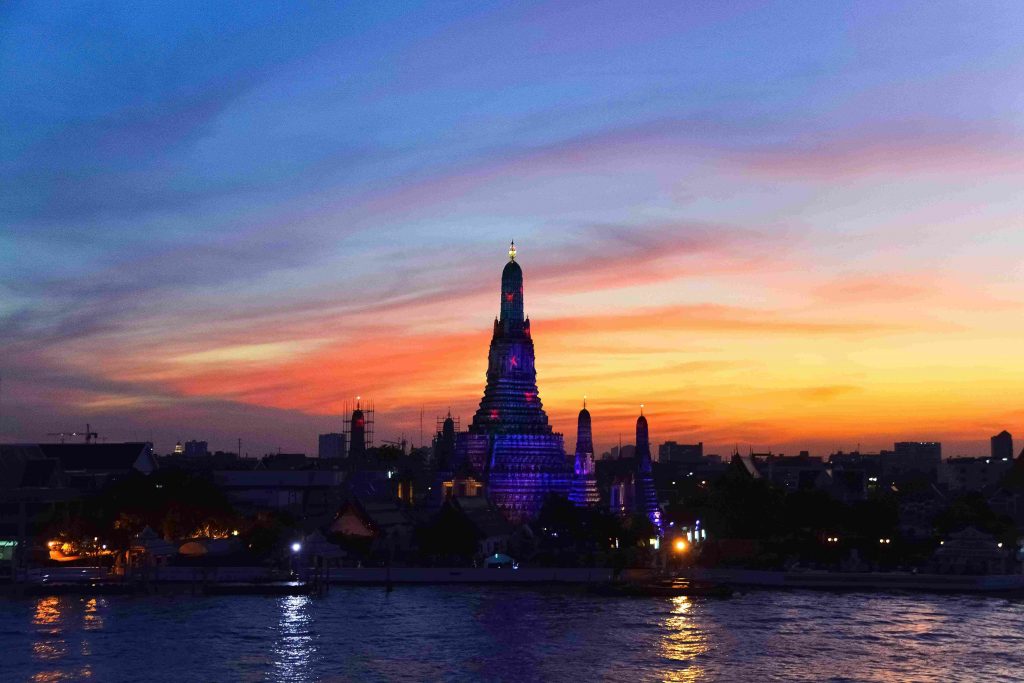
[422,633]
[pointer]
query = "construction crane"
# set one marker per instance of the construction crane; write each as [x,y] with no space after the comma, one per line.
[88,434]
[397,444]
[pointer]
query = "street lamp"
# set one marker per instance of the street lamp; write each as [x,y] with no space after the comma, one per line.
[296,547]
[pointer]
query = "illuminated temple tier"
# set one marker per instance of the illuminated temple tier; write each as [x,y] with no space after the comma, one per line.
[509,442]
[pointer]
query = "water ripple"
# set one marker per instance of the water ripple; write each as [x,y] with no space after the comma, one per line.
[512,634]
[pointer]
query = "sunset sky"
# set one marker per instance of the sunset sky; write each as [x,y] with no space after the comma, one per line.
[778,225]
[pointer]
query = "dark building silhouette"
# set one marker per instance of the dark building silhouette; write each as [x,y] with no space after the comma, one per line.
[975,474]
[91,466]
[801,472]
[331,446]
[509,443]
[911,460]
[670,451]
[194,449]
[1002,446]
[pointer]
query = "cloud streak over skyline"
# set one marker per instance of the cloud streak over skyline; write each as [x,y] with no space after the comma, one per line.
[784,227]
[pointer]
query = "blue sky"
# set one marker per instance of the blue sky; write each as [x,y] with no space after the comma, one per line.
[272,185]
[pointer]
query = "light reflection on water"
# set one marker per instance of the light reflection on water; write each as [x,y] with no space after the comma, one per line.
[295,647]
[683,641]
[511,634]
[51,644]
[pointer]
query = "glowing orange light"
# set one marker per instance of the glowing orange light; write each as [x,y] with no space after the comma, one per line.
[681,545]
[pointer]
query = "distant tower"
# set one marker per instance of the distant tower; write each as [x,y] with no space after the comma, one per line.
[1002,446]
[584,492]
[357,433]
[646,501]
[444,445]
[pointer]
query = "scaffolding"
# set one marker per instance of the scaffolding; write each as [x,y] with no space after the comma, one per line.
[368,416]
[439,423]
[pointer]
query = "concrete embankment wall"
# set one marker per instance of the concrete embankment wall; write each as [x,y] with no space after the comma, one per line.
[468,575]
[348,575]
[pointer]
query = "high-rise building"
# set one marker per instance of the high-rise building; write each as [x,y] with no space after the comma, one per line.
[1002,446]
[670,451]
[331,446]
[584,491]
[509,443]
[912,460]
[646,496]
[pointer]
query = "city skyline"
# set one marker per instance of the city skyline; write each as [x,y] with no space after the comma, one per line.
[815,249]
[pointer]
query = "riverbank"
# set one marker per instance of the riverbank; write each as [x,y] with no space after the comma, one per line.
[862,581]
[258,580]
[96,580]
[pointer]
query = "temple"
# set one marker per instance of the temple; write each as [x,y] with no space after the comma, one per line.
[584,491]
[645,499]
[509,444]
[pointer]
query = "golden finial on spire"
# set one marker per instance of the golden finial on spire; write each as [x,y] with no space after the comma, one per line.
[641,408]
[512,251]
[584,401]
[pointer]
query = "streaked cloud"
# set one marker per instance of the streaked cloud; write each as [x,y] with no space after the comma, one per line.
[779,227]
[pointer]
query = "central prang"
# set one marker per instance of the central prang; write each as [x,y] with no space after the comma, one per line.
[510,444]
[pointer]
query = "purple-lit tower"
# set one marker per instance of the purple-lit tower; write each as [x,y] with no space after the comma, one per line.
[509,442]
[645,499]
[584,491]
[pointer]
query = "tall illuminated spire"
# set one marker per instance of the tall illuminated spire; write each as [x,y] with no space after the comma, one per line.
[510,443]
[584,491]
[646,496]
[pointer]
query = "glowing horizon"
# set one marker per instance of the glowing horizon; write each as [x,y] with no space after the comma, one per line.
[780,228]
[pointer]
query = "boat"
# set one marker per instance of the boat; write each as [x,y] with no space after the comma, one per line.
[663,588]
[261,588]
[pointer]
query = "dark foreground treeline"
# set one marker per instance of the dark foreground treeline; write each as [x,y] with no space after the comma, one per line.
[748,522]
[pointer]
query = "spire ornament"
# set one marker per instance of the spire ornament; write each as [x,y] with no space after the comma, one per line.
[512,251]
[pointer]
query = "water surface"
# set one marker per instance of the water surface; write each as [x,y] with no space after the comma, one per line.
[511,634]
